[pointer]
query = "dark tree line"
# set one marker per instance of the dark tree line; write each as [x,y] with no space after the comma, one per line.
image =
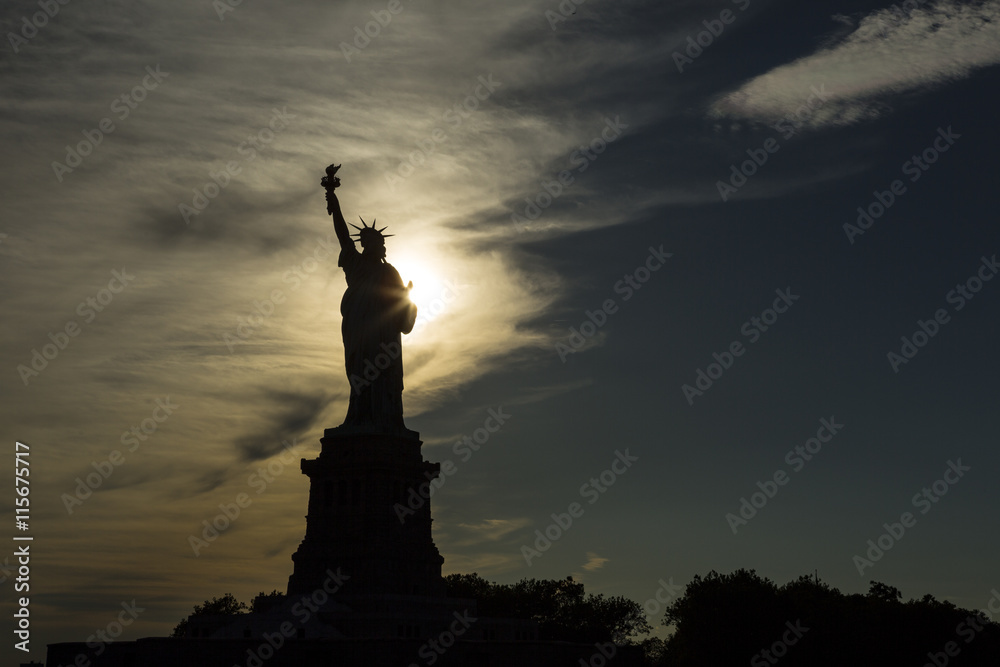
[228,605]
[732,619]
[563,610]
[742,618]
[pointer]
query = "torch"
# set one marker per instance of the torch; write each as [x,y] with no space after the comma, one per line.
[330,182]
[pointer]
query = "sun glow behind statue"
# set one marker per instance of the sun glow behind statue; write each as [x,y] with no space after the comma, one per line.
[428,286]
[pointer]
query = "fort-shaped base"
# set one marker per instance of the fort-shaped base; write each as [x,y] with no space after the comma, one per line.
[358,485]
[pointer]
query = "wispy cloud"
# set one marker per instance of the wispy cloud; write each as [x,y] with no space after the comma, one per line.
[492,530]
[593,564]
[882,54]
[482,547]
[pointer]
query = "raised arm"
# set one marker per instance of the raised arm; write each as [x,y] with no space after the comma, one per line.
[339,224]
[330,182]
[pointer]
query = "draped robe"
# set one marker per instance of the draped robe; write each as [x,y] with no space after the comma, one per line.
[376,309]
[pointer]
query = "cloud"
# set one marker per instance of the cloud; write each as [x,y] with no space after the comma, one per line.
[595,562]
[298,414]
[887,52]
[491,530]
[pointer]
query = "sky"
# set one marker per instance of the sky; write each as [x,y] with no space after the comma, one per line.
[724,268]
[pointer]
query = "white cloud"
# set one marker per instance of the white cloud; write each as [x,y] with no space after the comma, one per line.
[888,52]
[595,562]
[493,529]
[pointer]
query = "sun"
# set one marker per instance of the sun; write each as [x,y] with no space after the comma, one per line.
[427,284]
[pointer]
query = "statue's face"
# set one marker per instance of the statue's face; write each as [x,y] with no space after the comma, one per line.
[376,249]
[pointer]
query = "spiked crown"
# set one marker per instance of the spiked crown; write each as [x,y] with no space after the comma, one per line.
[367,234]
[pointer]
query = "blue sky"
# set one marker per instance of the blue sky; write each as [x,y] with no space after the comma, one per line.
[535,166]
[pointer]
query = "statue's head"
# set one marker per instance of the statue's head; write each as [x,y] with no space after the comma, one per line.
[372,239]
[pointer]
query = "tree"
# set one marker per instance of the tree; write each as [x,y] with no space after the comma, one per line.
[227,604]
[561,608]
[741,617]
[884,592]
[739,607]
[264,601]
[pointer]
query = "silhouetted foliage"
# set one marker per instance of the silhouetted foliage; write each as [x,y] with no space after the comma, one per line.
[561,608]
[654,650]
[741,617]
[264,601]
[881,591]
[227,604]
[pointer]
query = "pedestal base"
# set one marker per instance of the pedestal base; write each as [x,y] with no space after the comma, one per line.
[358,484]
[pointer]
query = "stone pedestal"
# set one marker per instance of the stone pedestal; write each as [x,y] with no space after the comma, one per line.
[352,525]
